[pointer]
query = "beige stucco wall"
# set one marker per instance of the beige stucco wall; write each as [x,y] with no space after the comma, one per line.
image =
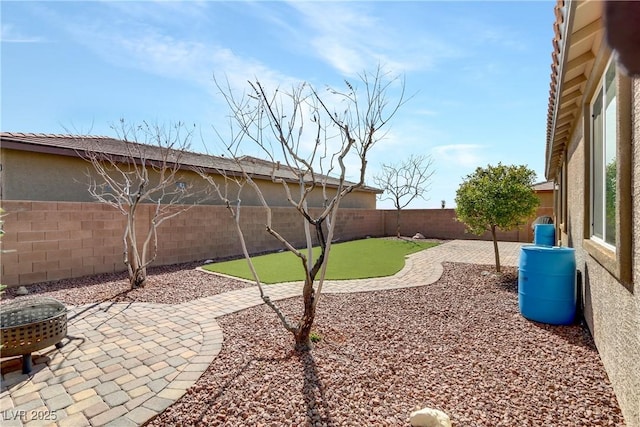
[611,309]
[546,198]
[47,177]
[631,302]
[571,230]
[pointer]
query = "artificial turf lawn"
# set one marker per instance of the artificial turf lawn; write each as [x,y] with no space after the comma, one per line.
[357,259]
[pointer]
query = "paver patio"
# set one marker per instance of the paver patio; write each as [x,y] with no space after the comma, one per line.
[124,363]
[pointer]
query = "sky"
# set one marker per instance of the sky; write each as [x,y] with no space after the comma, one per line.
[476,72]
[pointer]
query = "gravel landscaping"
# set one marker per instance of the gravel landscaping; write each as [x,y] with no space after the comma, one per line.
[459,345]
[173,284]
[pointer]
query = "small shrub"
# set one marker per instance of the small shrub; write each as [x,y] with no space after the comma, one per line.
[315,337]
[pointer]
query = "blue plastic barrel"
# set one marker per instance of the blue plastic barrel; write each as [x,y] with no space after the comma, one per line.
[547,284]
[544,234]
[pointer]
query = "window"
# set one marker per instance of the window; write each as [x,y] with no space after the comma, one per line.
[564,186]
[609,165]
[560,186]
[603,160]
[558,201]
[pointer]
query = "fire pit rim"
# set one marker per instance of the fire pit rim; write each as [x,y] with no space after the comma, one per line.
[31,324]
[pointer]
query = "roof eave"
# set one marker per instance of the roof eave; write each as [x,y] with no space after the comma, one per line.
[580,37]
[21,142]
[563,54]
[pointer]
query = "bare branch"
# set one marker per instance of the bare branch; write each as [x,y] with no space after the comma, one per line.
[310,135]
[144,168]
[405,181]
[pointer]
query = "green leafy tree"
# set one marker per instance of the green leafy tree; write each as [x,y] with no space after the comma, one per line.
[496,197]
[610,206]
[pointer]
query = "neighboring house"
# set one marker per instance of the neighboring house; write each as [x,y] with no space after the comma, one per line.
[544,193]
[45,167]
[593,155]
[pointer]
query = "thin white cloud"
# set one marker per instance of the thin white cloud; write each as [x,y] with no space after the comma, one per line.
[425,112]
[192,9]
[195,61]
[174,55]
[337,34]
[159,38]
[487,31]
[350,38]
[504,38]
[10,34]
[466,155]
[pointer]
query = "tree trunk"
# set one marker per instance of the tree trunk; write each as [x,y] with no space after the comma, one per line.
[303,332]
[495,247]
[302,335]
[139,278]
[398,223]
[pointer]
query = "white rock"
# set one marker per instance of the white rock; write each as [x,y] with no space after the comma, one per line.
[209,261]
[429,417]
[22,291]
[418,236]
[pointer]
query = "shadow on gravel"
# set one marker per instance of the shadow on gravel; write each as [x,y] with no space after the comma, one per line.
[314,397]
[508,282]
[576,334]
[206,407]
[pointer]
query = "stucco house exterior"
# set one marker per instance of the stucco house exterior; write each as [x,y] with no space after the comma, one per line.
[593,156]
[49,167]
[544,193]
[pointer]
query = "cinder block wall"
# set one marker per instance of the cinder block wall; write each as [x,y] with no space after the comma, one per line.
[442,224]
[46,241]
[55,240]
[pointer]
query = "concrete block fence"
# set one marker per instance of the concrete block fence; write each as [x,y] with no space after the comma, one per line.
[47,241]
[441,224]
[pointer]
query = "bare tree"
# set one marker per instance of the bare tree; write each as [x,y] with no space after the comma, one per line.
[141,174]
[404,182]
[310,160]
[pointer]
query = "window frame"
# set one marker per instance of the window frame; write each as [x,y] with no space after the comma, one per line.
[561,191]
[565,194]
[617,260]
[601,92]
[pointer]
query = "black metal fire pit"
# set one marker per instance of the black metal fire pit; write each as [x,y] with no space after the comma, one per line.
[31,324]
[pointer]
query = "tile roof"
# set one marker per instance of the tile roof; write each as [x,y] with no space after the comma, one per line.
[75,145]
[544,186]
[578,34]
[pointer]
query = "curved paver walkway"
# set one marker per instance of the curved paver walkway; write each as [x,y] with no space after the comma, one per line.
[126,363]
